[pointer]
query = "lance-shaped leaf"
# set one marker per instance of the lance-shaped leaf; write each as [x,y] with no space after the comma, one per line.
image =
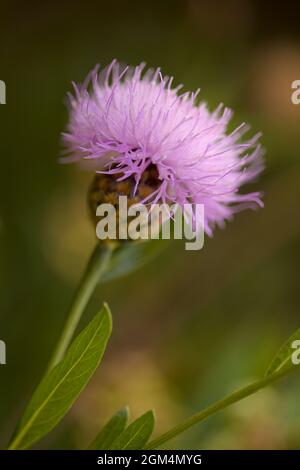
[136,435]
[110,431]
[131,256]
[284,357]
[62,385]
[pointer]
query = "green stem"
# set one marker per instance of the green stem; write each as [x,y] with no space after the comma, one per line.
[95,269]
[215,407]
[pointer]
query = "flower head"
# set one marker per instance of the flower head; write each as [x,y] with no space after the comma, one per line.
[127,120]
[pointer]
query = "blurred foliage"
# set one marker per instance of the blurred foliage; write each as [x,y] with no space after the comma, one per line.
[189,326]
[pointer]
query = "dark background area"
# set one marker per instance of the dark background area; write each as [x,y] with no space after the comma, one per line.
[190,326]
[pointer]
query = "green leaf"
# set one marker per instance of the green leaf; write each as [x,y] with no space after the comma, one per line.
[283,358]
[110,431]
[61,386]
[131,255]
[136,435]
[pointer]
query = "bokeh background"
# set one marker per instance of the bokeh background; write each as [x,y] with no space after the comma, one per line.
[191,326]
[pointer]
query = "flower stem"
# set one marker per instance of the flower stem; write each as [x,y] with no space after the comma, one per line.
[96,267]
[217,406]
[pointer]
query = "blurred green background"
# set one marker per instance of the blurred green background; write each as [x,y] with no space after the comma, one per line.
[190,326]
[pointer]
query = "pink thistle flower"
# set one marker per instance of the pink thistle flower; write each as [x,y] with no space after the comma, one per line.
[126,119]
